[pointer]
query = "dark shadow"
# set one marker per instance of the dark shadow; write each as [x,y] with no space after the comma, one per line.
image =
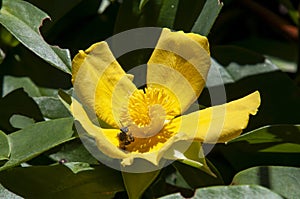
[17,102]
[264,177]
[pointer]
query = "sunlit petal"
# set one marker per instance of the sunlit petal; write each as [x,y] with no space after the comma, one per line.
[219,123]
[100,83]
[106,139]
[179,63]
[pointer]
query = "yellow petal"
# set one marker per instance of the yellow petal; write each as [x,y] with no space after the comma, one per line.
[106,139]
[100,83]
[179,63]
[219,123]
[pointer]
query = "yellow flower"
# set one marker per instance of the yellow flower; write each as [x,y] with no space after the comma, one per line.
[152,119]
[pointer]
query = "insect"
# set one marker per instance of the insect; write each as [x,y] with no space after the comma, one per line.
[125,137]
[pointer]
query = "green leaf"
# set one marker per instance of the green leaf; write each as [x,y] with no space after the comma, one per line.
[52,107]
[137,183]
[77,167]
[23,20]
[21,121]
[278,144]
[218,75]
[12,83]
[60,182]
[282,180]
[282,64]
[4,193]
[48,91]
[32,141]
[207,17]
[4,146]
[241,71]
[167,14]
[241,62]
[283,135]
[230,192]
[74,151]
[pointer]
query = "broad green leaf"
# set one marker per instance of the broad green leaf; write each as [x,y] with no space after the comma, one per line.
[282,180]
[23,20]
[21,121]
[47,99]
[60,182]
[167,14]
[74,152]
[283,135]
[11,83]
[52,107]
[207,17]
[282,64]
[217,75]
[230,192]
[276,138]
[32,141]
[4,193]
[241,71]
[137,183]
[271,145]
[77,167]
[4,146]
[241,62]
[48,92]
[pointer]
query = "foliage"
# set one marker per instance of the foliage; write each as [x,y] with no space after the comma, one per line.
[40,153]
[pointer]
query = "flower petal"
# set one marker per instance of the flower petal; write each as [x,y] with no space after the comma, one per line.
[106,139]
[100,83]
[219,123]
[180,63]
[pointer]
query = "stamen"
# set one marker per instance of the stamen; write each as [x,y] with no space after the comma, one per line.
[146,116]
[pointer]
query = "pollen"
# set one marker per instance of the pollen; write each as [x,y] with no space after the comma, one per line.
[148,113]
[141,101]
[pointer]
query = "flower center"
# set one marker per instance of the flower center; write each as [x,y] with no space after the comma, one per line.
[146,119]
[148,111]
